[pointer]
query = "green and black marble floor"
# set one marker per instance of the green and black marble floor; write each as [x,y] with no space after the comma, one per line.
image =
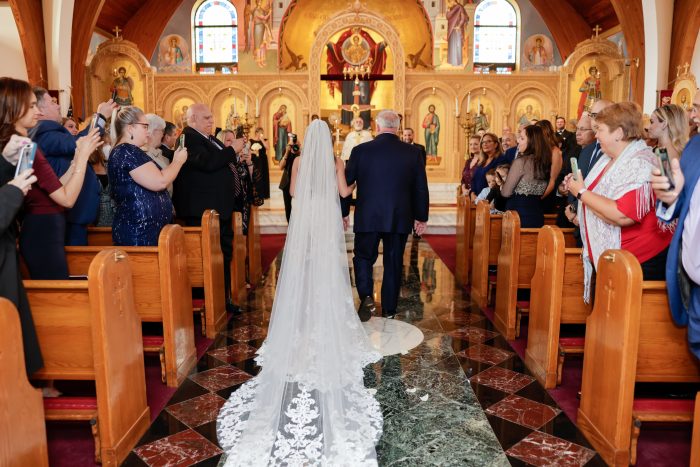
[461,397]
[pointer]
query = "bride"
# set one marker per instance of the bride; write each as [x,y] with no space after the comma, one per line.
[308,405]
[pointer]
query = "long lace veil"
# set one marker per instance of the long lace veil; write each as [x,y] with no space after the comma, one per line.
[308,404]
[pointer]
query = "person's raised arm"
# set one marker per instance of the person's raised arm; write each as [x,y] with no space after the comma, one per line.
[68,193]
[153,178]
[293,179]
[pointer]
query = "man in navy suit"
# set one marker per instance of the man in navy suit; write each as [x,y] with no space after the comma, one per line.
[392,200]
[683,263]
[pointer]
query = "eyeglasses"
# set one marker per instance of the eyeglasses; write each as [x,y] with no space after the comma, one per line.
[487,141]
[145,125]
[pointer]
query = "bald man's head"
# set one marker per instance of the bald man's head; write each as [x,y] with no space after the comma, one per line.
[596,108]
[200,118]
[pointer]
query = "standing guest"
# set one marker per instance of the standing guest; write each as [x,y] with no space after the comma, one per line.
[507,141]
[556,158]
[616,202]
[528,177]
[156,126]
[58,145]
[292,151]
[105,211]
[470,164]
[138,185]
[408,136]
[12,193]
[585,138]
[167,144]
[668,125]
[70,125]
[490,157]
[207,182]
[42,237]
[682,202]
[561,131]
[262,163]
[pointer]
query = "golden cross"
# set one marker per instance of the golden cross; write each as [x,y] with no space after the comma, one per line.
[597,30]
[678,71]
[685,68]
[116,31]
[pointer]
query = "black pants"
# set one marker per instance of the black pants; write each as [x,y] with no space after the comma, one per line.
[654,269]
[42,244]
[226,239]
[366,252]
[287,204]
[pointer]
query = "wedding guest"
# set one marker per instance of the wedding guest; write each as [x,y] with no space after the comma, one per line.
[470,164]
[12,193]
[156,126]
[169,140]
[528,177]
[556,160]
[139,186]
[262,163]
[616,202]
[70,125]
[105,211]
[292,151]
[668,125]
[490,184]
[43,234]
[490,157]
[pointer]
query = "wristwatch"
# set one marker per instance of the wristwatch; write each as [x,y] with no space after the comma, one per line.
[580,193]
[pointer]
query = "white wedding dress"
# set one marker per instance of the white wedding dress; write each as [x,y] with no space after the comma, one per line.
[308,405]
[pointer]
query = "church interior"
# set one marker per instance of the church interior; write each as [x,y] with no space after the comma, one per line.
[498,366]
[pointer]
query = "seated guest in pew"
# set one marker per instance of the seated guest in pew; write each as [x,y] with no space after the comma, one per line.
[616,202]
[490,185]
[139,186]
[498,202]
[682,202]
[529,177]
[490,157]
[668,125]
[12,193]
[43,233]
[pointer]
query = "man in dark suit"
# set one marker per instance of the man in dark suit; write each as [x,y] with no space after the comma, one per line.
[392,200]
[566,135]
[407,137]
[683,261]
[169,140]
[206,181]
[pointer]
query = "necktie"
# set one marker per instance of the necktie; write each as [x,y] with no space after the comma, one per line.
[594,158]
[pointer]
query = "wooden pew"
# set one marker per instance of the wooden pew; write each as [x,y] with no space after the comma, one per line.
[556,298]
[695,443]
[89,330]
[630,337]
[516,266]
[239,288]
[23,439]
[204,266]
[162,294]
[253,246]
[487,241]
[464,227]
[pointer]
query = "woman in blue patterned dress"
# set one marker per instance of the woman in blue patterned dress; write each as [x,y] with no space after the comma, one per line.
[138,185]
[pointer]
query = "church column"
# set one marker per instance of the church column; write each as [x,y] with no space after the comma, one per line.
[58,28]
[658,20]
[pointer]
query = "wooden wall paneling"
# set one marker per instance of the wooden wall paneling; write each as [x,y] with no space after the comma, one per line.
[84,21]
[631,17]
[147,24]
[684,33]
[568,28]
[30,24]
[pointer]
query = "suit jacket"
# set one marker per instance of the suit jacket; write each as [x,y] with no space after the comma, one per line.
[681,315]
[568,136]
[392,187]
[423,155]
[584,160]
[206,180]
[167,152]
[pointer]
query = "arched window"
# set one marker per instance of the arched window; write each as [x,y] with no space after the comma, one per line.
[215,34]
[495,34]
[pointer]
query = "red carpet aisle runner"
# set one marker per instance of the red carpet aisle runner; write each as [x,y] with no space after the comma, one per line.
[659,444]
[270,246]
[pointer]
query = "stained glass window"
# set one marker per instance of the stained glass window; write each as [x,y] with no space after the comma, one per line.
[495,33]
[215,34]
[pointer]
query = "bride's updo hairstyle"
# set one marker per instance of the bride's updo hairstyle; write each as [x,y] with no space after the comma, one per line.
[121,118]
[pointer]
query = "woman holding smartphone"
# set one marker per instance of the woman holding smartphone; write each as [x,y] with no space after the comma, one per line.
[286,163]
[42,238]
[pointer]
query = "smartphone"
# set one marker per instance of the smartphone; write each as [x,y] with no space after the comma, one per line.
[26,158]
[665,167]
[574,167]
[181,141]
[93,123]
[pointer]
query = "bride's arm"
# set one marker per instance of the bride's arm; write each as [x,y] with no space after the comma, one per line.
[343,189]
[295,171]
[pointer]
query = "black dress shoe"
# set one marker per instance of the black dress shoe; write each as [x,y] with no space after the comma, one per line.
[231,308]
[366,309]
[389,314]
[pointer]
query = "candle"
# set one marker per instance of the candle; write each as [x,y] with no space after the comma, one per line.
[246,104]
[456,106]
[257,107]
[234,107]
[469,101]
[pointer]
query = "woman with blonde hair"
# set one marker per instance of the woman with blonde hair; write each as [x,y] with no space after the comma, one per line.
[668,124]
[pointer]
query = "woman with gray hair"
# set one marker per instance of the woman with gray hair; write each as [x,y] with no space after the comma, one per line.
[156,126]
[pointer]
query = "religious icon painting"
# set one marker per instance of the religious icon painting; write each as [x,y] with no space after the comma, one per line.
[538,53]
[432,115]
[178,113]
[174,54]
[125,85]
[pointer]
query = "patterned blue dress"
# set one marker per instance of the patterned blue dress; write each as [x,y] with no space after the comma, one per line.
[140,213]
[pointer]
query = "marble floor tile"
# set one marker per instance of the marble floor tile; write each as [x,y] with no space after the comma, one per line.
[391,337]
[541,449]
[472,334]
[197,411]
[523,411]
[486,354]
[179,450]
[233,353]
[250,332]
[220,377]
[503,379]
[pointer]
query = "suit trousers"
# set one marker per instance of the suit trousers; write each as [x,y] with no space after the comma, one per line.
[366,252]
[226,240]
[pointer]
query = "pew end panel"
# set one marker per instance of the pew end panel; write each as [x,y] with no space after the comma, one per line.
[212,261]
[462,261]
[239,290]
[507,276]
[23,440]
[695,443]
[255,272]
[487,240]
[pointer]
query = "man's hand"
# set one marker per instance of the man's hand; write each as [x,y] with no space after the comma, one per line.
[238,145]
[660,183]
[346,223]
[419,227]
[11,150]
[106,108]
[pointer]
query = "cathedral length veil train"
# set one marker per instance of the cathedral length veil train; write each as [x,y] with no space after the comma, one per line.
[308,405]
